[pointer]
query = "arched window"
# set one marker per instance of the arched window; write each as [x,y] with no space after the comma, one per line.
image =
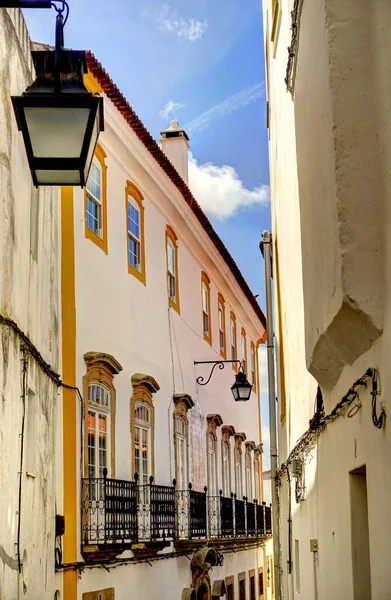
[142,426]
[142,442]
[135,243]
[256,478]
[238,472]
[212,471]
[99,409]
[183,403]
[249,483]
[227,432]
[226,470]
[95,201]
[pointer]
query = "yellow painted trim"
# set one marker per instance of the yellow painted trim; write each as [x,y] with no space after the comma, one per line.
[276,12]
[92,84]
[253,351]
[170,233]
[101,242]
[205,279]
[69,398]
[244,335]
[221,302]
[132,190]
[232,318]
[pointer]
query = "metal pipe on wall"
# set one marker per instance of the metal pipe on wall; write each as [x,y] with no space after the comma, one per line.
[267,241]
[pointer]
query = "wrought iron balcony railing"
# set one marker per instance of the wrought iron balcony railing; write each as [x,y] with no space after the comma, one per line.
[123,512]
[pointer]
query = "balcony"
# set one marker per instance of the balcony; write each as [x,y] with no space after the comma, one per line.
[119,515]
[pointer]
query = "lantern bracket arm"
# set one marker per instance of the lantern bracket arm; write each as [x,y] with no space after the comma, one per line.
[216,363]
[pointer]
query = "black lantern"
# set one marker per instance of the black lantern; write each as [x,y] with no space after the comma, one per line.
[241,389]
[59,119]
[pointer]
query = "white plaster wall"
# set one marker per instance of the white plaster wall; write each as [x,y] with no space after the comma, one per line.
[307,246]
[29,286]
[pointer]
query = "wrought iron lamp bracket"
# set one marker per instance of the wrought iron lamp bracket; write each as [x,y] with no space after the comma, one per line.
[216,363]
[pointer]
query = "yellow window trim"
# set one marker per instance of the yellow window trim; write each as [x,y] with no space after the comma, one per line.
[221,302]
[133,191]
[170,234]
[205,279]
[232,317]
[243,334]
[101,242]
[276,11]
[253,350]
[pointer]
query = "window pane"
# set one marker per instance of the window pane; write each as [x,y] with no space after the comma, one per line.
[102,444]
[134,221]
[94,217]
[171,287]
[205,305]
[206,323]
[91,445]
[137,449]
[170,257]
[94,181]
[134,253]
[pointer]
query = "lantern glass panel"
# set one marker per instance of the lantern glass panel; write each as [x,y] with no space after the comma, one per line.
[59,177]
[57,132]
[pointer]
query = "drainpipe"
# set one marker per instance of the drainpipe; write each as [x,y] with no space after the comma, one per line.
[267,241]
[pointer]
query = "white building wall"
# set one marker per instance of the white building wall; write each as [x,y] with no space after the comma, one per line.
[29,285]
[329,193]
[118,315]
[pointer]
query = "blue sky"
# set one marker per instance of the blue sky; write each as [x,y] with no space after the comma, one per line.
[203,59]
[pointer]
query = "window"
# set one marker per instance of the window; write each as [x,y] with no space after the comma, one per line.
[252,585]
[135,245]
[172,268]
[242,586]
[213,421]
[99,404]
[249,487]
[253,367]
[243,346]
[222,342]
[95,201]
[142,426]
[183,403]
[212,471]
[226,469]
[229,584]
[142,442]
[232,324]
[260,583]
[98,429]
[256,476]
[206,320]
[238,472]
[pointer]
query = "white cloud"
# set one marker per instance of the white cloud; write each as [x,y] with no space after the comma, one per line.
[189,28]
[170,108]
[219,190]
[227,106]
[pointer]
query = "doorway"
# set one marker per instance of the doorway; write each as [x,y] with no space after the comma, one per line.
[360,534]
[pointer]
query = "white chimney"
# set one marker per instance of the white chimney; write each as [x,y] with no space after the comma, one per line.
[175,145]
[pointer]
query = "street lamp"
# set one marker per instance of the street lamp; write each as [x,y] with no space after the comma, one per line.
[241,389]
[59,119]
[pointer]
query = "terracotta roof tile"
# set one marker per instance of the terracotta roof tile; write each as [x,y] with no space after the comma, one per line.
[122,105]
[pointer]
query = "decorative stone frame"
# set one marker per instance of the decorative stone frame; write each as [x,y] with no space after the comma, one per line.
[227,432]
[101,242]
[213,421]
[258,451]
[143,388]
[242,577]
[133,191]
[101,368]
[182,404]
[260,575]
[171,235]
[250,446]
[230,580]
[252,573]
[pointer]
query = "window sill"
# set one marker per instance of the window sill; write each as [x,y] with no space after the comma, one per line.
[140,276]
[208,339]
[174,305]
[98,241]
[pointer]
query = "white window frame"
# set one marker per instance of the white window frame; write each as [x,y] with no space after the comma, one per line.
[96,201]
[238,473]
[232,327]
[226,468]
[249,485]
[171,276]
[141,426]
[205,309]
[131,235]
[103,410]
[221,327]
[182,462]
[212,466]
